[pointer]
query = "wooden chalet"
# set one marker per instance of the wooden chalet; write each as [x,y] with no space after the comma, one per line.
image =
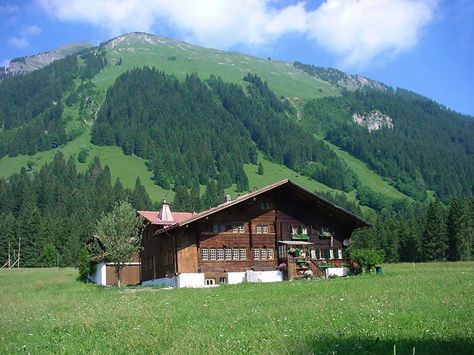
[279,232]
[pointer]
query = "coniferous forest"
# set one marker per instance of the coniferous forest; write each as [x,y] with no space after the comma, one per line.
[200,131]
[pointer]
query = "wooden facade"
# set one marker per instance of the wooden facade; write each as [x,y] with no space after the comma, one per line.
[257,231]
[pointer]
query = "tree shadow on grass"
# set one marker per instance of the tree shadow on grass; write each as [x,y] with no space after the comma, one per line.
[352,345]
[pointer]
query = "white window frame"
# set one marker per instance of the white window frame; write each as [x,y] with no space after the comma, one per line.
[258,229]
[235,228]
[210,282]
[256,253]
[243,254]
[213,254]
[235,254]
[241,228]
[220,254]
[204,254]
[270,254]
[263,254]
[228,254]
[265,228]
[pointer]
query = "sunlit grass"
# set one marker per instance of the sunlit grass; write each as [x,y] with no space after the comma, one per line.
[428,307]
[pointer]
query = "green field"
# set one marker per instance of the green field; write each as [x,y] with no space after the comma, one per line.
[135,51]
[415,309]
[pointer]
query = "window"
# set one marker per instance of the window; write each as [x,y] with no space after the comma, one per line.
[271,254]
[235,228]
[263,253]
[220,228]
[256,253]
[212,254]
[262,228]
[243,254]
[282,251]
[335,253]
[222,280]
[318,253]
[241,228]
[228,253]
[265,205]
[235,254]
[210,282]
[220,254]
[205,254]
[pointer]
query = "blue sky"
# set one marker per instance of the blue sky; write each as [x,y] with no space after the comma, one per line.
[426,46]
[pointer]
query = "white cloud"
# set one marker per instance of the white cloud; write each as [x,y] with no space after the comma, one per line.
[356,31]
[31,30]
[19,42]
[361,31]
[22,41]
[8,9]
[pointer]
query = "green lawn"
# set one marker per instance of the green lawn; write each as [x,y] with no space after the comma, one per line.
[422,309]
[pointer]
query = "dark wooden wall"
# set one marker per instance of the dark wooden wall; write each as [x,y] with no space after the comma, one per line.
[275,210]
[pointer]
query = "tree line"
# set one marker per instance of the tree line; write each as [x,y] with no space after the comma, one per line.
[429,147]
[414,232]
[54,210]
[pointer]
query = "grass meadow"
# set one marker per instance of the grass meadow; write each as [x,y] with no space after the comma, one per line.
[412,309]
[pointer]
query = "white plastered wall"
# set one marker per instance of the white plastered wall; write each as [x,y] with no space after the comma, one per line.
[99,276]
[337,271]
[190,279]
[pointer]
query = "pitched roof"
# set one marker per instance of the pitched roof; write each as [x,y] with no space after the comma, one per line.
[356,220]
[153,217]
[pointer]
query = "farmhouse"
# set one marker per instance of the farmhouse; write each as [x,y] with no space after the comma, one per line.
[279,232]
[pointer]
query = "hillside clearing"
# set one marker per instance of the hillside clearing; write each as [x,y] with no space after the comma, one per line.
[422,308]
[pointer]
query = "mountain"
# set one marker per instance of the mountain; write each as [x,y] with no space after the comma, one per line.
[143,118]
[328,130]
[27,64]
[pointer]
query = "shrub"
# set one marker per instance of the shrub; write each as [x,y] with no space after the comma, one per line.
[82,156]
[85,264]
[368,258]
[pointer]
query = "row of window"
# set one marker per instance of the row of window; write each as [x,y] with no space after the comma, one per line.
[239,228]
[234,228]
[330,253]
[224,254]
[236,253]
[263,254]
[262,228]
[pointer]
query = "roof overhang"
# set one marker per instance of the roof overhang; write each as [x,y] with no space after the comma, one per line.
[353,219]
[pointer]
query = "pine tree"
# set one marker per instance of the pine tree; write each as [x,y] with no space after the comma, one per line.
[434,238]
[181,199]
[260,168]
[194,199]
[459,227]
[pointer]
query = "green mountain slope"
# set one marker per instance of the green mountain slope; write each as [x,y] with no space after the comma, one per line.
[81,99]
[180,58]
